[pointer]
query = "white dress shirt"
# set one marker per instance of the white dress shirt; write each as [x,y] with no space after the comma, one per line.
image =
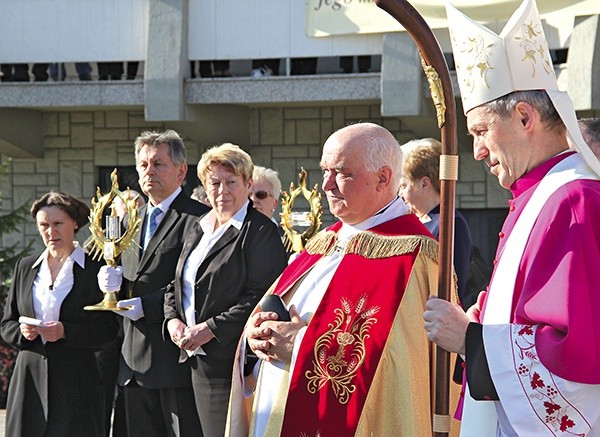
[164,207]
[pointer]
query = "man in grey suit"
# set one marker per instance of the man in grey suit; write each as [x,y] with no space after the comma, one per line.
[158,394]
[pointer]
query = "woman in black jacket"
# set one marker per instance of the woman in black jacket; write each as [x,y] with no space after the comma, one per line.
[56,388]
[225,267]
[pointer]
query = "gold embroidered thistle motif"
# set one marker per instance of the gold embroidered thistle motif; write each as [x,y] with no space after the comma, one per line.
[533,43]
[339,353]
[477,58]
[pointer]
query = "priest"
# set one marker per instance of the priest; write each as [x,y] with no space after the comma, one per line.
[352,360]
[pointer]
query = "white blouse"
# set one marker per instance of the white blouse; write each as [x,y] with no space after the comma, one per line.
[47,296]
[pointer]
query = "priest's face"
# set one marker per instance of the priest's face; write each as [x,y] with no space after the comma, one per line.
[353,192]
[501,143]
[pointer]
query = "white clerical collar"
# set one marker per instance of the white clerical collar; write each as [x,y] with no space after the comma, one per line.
[165,204]
[78,255]
[394,209]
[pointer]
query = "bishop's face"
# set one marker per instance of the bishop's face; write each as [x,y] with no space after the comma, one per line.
[501,144]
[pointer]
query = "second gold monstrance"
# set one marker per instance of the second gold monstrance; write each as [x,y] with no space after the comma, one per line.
[311,219]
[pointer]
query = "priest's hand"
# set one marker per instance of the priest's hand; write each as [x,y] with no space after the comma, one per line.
[257,335]
[446,324]
[283,336]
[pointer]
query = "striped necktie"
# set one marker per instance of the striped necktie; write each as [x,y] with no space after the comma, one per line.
[153,224]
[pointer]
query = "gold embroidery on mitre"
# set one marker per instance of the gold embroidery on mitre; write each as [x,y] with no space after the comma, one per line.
[476,57]
[533,43]
[339,352]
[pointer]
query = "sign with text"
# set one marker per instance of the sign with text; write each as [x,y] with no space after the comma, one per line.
[343,17]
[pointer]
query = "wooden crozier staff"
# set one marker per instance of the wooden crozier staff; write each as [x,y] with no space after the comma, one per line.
[440,85]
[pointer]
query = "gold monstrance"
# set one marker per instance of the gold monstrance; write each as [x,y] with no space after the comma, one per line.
[109,242]
[311,220]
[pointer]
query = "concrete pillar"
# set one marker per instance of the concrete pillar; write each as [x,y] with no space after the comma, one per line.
[166,60]
[583,63]
[401,76]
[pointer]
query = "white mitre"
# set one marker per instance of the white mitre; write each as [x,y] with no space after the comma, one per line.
[489,66]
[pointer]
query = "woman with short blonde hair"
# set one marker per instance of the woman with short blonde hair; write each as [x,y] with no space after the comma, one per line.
[229,156]
[228,262]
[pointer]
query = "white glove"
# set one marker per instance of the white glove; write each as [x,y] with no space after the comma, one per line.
[110,278]
[135,311]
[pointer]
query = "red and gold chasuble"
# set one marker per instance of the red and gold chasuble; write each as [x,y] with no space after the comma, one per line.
[341,349]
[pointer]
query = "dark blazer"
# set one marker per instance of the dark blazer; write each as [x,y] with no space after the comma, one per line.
[463,245]
[144,354]
[56,388]
[235,274]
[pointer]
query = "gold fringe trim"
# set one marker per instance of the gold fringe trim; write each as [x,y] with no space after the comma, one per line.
[322,243]
[374,246]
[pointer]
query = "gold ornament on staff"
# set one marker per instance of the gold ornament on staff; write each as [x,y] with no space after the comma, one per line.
[109,242]
[295,240]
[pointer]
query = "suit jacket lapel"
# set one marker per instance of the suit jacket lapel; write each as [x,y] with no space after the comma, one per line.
[171,217]
[230,234]
[190,244]
[28,279]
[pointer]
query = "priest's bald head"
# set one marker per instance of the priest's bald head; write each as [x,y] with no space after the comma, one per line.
[361,171]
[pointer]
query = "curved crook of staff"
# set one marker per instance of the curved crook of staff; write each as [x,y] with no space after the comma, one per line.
[436,70]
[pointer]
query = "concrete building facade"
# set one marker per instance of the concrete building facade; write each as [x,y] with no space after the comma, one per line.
[66,135]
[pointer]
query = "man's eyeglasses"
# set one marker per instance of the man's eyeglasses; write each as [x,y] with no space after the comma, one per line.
[261,194]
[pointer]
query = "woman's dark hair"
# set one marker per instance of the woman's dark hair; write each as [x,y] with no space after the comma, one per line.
[74,207]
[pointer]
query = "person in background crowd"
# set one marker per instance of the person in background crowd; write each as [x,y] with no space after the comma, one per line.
[114,70]
[199,194]
[347,64]
[420,189]
[56,387]
[265,67]
[266,189]
[120,208]
[211,69]
[58,72]
[590,129]
[15,72]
